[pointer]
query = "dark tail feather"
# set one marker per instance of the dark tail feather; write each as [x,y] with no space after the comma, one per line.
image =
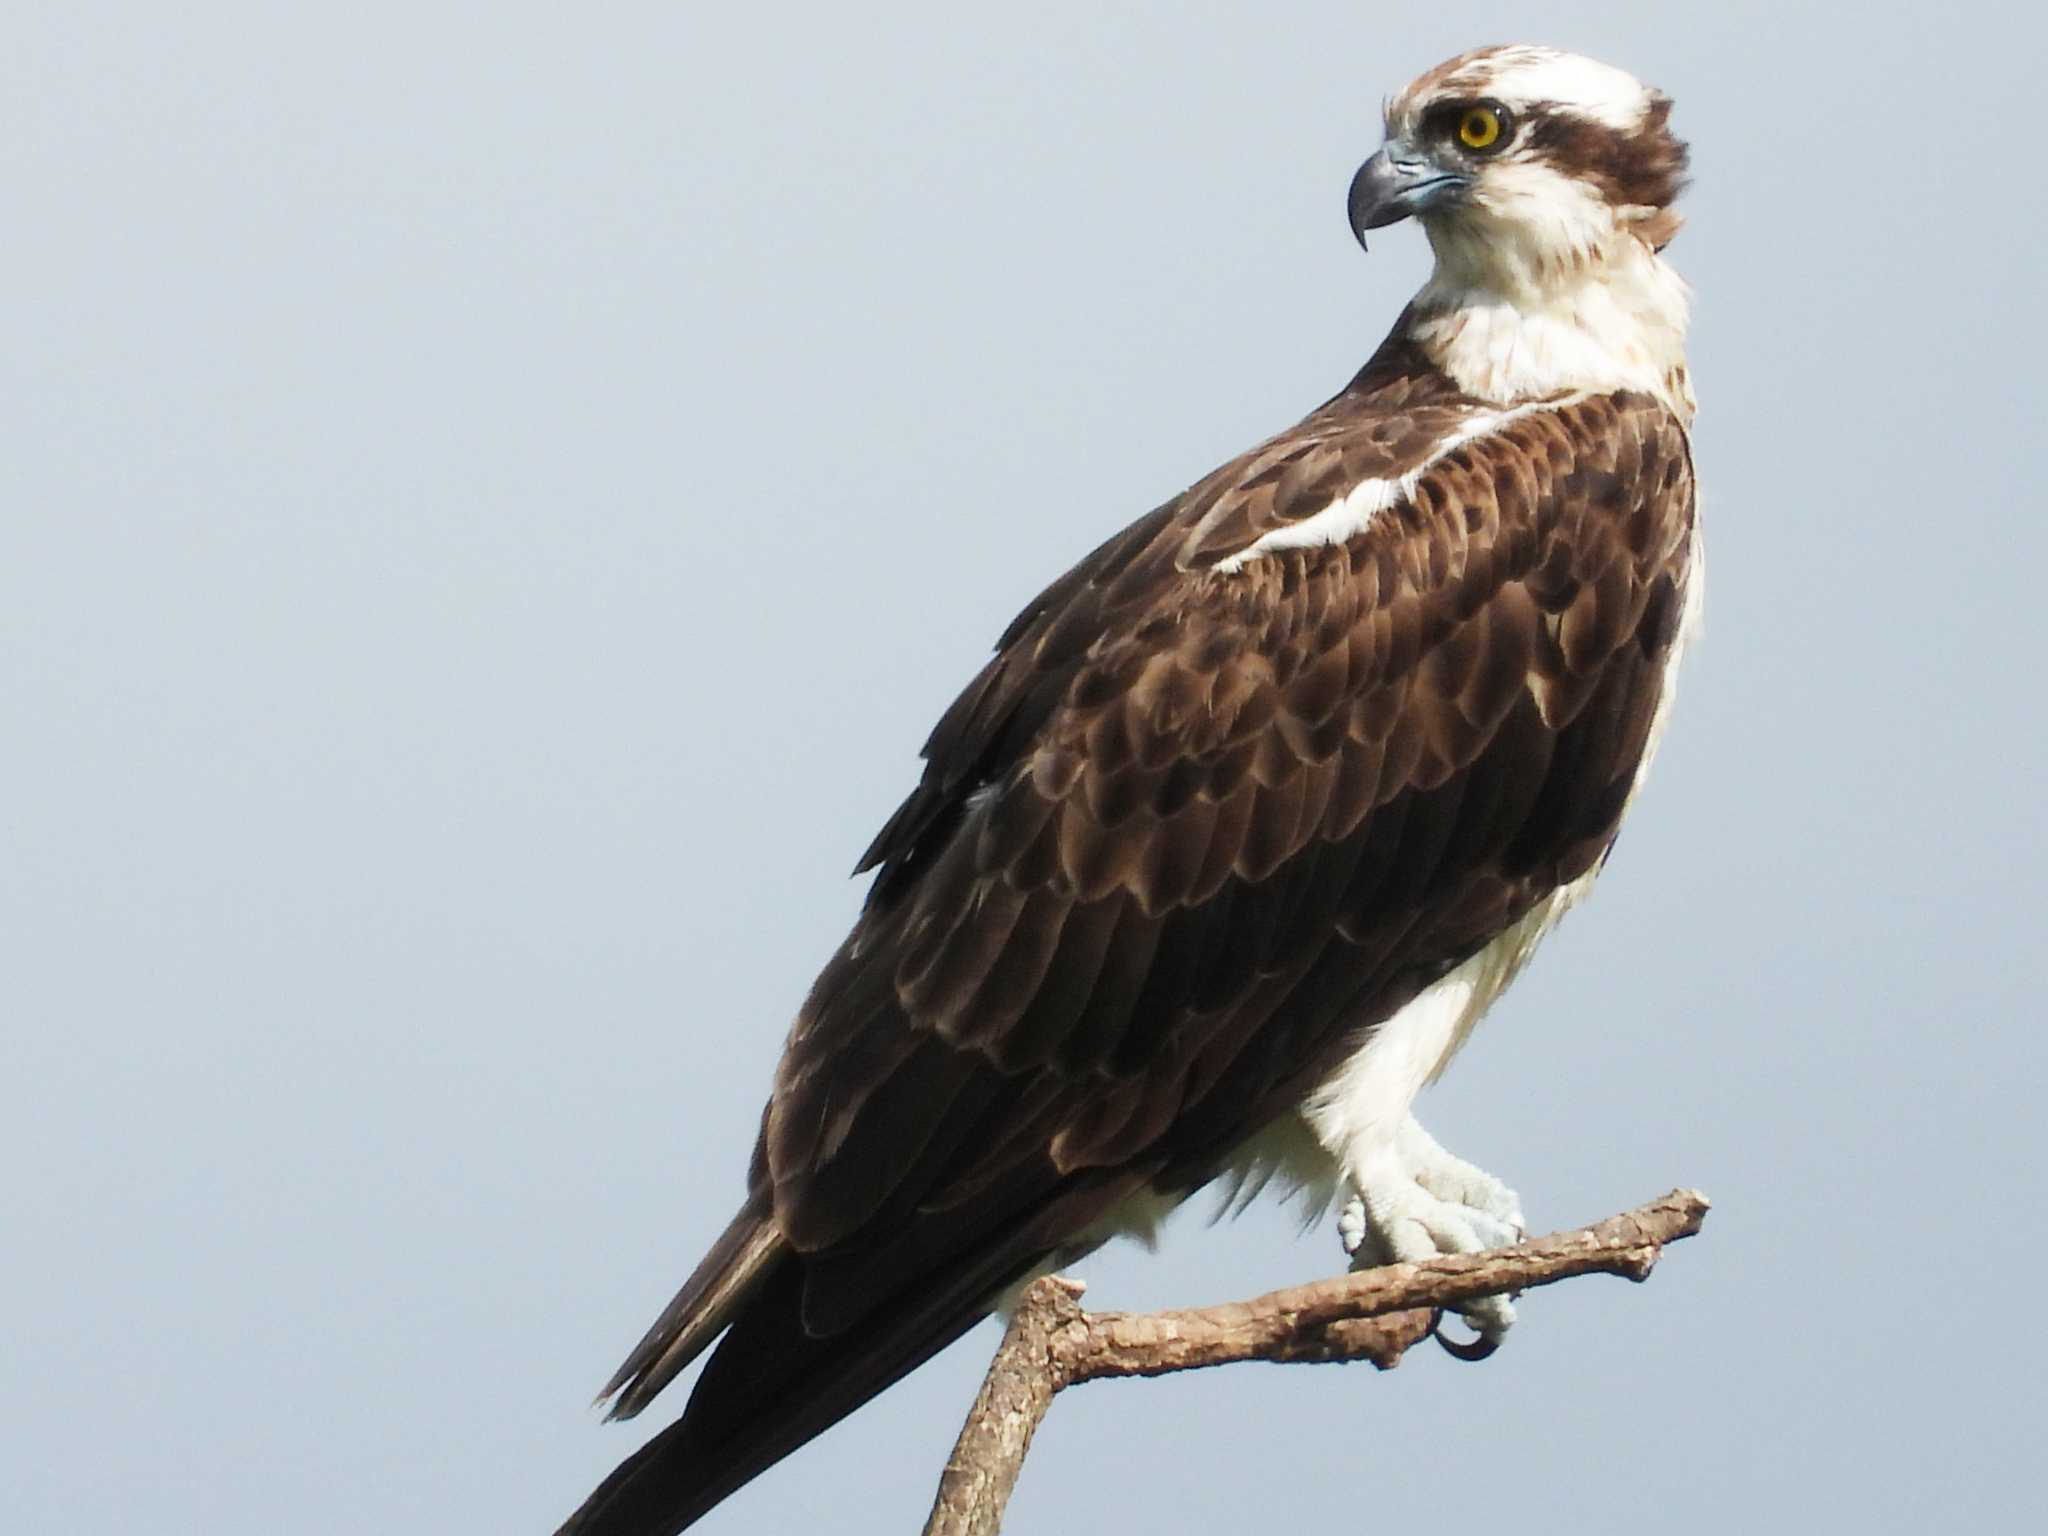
[770,1387]
[737,1264]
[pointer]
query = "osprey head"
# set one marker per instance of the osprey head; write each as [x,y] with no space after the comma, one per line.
[1524,164]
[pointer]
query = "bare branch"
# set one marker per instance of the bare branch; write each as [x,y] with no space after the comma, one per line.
[1375,1315]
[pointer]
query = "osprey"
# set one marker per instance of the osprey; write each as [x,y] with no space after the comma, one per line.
[1252,814]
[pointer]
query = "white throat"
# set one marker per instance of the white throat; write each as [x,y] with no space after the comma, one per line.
[1510,320]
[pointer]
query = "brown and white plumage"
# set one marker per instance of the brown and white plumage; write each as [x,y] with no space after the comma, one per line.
[1252,812]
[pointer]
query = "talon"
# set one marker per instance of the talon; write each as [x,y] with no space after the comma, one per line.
[1478,1347]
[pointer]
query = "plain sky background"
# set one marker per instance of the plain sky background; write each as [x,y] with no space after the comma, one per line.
[492,498]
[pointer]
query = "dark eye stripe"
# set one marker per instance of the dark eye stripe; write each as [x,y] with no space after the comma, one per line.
[1645,168]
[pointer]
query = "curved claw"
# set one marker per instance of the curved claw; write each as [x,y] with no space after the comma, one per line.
[1470,1350]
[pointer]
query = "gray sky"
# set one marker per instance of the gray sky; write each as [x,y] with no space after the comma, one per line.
[493,497]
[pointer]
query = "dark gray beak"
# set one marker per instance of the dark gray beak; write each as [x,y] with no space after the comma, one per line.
[1392,186]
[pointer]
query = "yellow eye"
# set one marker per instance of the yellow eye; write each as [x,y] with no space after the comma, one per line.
[1479,128]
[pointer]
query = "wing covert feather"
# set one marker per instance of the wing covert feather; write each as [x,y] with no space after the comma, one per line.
[1193,827]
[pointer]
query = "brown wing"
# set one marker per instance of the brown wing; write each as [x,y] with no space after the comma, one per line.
[1190,829]
[1186,836]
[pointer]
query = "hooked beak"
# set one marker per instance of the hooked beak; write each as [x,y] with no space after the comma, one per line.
[1394,185]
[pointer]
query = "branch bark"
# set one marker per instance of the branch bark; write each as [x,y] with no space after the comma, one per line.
[1375,1314]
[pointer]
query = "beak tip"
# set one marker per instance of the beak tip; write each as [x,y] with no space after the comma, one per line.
[1370,195]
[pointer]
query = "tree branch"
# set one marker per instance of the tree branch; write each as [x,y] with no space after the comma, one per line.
[1375,1314]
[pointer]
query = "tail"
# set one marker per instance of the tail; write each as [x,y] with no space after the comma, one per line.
[738,1262]
[772,1384]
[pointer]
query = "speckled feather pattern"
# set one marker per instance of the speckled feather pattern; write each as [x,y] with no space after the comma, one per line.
[1190,833]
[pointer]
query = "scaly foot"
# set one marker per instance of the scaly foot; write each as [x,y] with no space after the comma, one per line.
[1415,1201]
